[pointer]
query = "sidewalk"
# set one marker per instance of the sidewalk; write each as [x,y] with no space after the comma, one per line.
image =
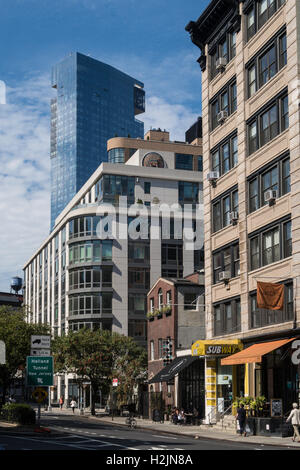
[194,432]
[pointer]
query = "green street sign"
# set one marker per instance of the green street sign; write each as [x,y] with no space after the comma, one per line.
[39,370]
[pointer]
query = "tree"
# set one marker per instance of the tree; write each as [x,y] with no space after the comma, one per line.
[16,334]
[129,367]
[99,356]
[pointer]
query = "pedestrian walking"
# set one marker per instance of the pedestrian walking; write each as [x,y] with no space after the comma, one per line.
[61,402]
[241,418]
[73,405]
[295,418]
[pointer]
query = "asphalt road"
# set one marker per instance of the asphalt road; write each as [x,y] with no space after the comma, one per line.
[79,433]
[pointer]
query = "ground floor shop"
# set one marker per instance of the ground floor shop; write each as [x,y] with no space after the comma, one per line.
[269,372]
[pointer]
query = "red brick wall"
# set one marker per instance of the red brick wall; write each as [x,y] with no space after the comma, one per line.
[160,328]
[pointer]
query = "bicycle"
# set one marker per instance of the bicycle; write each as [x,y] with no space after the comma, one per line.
[131,422]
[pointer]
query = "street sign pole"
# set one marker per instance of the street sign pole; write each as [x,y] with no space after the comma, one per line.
[49,399]
[2,352]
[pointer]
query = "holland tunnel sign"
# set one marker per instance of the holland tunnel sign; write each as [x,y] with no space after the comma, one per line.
[39,371]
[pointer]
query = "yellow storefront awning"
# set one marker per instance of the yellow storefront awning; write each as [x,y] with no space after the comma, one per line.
[216,347]
[254,353]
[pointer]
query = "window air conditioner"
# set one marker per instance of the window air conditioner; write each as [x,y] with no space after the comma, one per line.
[222,116]
[224,276]
[270,196]
[234,217]
[221,63]
[212,177]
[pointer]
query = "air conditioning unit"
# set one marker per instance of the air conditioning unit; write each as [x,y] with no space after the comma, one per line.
[270,196]
[234,217]
[222,116]
[221,63]
[212,177]
[224,276]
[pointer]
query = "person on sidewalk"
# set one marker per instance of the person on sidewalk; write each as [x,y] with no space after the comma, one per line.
[241,418]
[295,418]
[61,402]
[73,405]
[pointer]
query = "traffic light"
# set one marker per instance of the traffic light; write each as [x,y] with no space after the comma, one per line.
[167,351]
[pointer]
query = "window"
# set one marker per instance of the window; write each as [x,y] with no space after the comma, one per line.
[171,254]
[251,27]
[287,239]
[151,350]
[200,162]
[190,301]
[116,155]
[270,245]
[252,87]
[267,124]
[226,259]
[275,177]
[225,156]
[266,8]
[282,51]
[147,187]
[90,304]
[225,49]
[226,100]
[138,278]
[160,299]
[188,193]
[267,66]
[137,329]
[152,304]
[138,252]
[169,297]
[262,317]
[221,209]
[83,226]
[137,304]
[259,13]
[183,161]
[227,317]
[86,252]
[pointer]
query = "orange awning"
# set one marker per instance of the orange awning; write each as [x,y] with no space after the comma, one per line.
[254,353]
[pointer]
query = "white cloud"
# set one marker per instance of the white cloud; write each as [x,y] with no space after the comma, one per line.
[175,118]
[24,174]
[25,140]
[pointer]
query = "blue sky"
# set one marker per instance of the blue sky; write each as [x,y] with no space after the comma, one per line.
[144,38]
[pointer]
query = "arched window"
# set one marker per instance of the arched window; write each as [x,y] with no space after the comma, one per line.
[160,298]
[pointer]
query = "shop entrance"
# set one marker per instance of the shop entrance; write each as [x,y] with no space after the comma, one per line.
[224,386]
[192,388]
[278,377]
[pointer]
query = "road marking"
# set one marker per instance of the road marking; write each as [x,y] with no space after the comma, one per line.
[77,445]
[165,437]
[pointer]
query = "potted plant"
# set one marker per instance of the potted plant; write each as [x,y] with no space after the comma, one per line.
[159,313]
[260,403]
[167,309]
[150,316]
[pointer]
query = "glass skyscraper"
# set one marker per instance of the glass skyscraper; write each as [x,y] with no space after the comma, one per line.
[94,103]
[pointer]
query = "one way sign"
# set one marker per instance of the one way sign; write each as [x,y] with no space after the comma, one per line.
[40,342]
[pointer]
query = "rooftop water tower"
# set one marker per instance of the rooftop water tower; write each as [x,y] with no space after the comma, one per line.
[16,284]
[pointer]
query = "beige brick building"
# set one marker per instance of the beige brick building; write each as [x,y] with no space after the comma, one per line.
[250,111]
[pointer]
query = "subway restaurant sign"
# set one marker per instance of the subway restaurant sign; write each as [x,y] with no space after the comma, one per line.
[216,348]
[39,370]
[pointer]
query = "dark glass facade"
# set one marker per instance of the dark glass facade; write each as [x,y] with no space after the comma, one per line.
[94,103]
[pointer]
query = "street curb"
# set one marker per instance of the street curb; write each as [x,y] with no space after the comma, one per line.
[199,436]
